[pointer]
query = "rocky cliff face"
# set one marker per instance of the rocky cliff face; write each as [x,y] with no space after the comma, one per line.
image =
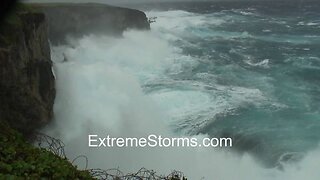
[27,84]
[76,20]
[26,80]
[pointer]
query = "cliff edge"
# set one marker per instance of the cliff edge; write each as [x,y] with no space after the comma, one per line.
[75,20]
[27,83]
[26,79]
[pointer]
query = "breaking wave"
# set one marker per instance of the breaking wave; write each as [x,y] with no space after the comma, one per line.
[146,83]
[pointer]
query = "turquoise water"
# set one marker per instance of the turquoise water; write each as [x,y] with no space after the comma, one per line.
[250,72]
[262,62]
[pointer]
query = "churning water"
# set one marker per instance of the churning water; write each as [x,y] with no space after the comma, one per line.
[247,72]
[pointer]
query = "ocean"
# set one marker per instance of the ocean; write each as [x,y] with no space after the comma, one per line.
[250,71]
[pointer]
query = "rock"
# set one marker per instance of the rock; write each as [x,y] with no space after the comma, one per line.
[27,89]
[75,20]
[27,84]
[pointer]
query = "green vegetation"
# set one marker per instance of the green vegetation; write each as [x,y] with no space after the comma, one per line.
[12,17]
[18,158]
[21,160]
[12,24]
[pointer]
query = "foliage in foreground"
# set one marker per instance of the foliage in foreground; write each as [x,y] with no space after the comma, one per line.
[20,160]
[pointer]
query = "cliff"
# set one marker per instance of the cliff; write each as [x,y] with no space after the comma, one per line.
[75,20]
[27,83]
[26,80]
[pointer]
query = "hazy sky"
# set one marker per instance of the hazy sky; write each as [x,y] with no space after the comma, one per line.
[110,1]
[120,1]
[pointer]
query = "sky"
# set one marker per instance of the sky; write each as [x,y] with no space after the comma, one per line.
[110,1]
[123,1]
[114,2]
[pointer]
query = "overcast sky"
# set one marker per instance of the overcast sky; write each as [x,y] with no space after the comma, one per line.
[119,2]
[124,1]
[110,1]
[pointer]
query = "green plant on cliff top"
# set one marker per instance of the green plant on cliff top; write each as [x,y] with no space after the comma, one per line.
[12,23]
[20,160]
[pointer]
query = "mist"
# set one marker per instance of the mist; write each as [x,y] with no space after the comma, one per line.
[101,89]
[99,92]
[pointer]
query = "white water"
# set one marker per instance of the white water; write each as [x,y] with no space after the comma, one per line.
[100,90]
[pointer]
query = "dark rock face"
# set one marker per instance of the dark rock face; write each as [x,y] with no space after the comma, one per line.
[27,83]
[26,79]
[76,20]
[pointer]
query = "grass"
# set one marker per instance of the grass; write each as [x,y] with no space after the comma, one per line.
[21,160]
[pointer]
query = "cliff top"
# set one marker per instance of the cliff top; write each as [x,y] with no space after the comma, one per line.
[12,22]
[71,5]
[71,20]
